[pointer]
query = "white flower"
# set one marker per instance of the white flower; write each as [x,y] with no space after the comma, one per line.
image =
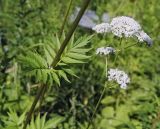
[119,76]
[105,50]
[102,28]
[124,26]
[143,37]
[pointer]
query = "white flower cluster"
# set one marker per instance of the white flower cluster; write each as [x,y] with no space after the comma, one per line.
[143,37]
[102,28]
[105,50]
[124,26]
[119,76]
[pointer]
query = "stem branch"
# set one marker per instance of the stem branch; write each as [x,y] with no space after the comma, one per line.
[65,18]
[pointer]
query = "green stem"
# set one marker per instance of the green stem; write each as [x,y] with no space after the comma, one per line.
[65,19]
[98,103]
[117,52]
[57,58]
[115,58]
[121,45]
[130,46]
[106,67]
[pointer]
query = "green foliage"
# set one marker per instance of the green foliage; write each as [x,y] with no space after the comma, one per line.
[28,47]
[16,122]
[41,123]
[41,66]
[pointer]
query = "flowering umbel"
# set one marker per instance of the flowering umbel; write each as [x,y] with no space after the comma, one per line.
[143,37]
[105,50]
[123,26]
[119,76]
[102,28]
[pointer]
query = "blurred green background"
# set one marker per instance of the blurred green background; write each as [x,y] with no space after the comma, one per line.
[27,24]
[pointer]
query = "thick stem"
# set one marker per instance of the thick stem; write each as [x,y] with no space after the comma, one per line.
[38,95]
[65,19]
[57,57]
[42,97]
